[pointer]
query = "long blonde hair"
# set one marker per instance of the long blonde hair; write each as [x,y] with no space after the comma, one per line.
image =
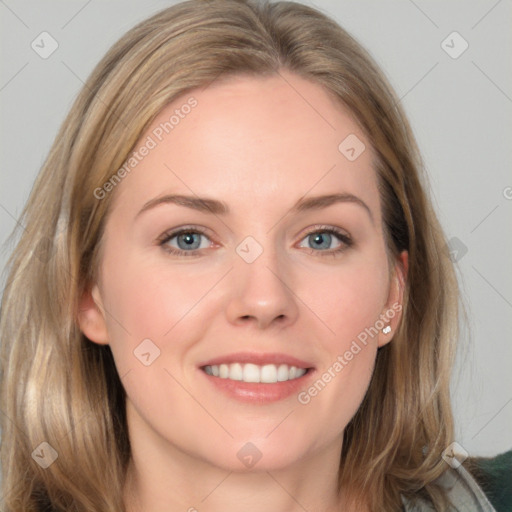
[59,388]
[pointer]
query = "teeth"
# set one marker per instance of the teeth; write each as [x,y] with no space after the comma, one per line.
[223,371]
[268,373]
[248,372]
[251,373]
[283,373]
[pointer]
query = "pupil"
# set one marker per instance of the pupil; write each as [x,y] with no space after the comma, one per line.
[322,239]
[187,239]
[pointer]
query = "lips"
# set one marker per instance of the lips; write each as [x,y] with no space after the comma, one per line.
[257,359]
[257,378]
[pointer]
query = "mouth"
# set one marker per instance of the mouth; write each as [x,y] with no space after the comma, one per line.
[253,373]
[257,378]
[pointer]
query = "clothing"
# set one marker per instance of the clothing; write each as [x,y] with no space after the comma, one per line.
[494,475]
[465,488]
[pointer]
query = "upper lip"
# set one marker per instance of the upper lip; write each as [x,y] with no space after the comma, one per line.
[258,359]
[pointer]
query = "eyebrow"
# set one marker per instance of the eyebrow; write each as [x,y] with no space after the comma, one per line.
[216,207]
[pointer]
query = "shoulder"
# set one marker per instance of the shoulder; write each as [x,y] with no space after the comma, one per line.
[494,476]
[479,484]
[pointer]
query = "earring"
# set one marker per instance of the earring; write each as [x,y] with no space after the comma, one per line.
[386,329]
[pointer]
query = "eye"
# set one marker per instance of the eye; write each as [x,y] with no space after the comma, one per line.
[188,241]
[321,239]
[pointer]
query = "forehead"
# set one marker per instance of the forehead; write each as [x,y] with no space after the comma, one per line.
[246,138]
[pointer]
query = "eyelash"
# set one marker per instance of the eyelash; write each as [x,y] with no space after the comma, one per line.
[342,237]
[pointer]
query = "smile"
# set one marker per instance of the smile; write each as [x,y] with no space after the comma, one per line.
[248,372]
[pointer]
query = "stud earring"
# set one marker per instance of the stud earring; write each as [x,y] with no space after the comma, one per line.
[386,329]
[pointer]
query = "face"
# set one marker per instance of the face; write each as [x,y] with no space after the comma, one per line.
[259,277]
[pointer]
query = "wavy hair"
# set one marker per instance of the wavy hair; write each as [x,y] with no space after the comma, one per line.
[60,388]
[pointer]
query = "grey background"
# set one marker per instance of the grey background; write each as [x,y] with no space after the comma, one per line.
[460,110]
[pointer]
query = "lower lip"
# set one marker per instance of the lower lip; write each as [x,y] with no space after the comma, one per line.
[257,392]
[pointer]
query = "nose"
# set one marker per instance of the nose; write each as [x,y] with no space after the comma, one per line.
[262,292]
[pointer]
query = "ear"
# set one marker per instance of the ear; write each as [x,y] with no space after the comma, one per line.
[91,317]
[392,313]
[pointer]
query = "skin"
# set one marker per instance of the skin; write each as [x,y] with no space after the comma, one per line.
[259,145]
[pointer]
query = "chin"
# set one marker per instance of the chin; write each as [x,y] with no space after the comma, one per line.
[256,455]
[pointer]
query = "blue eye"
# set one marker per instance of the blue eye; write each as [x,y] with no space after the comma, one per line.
[322,239]
[188,241]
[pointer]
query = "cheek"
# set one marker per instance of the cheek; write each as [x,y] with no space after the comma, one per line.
[149,299]
[350,309]
[350,299]
[154,300]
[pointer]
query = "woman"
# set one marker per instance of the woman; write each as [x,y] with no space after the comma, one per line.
[231,290]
